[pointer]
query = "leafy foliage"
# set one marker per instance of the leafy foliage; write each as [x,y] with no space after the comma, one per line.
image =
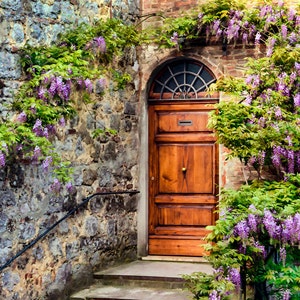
[78,64]
[258,230]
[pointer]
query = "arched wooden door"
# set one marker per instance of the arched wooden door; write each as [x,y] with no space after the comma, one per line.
[183,159]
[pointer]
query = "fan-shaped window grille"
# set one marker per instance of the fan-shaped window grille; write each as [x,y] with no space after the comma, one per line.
[181,80]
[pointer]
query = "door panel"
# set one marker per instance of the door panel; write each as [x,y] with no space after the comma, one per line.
[186,168]
[185,215]
[183,172]
[183,121]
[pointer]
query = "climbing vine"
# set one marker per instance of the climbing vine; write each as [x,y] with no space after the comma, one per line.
[80,64]
[256,242]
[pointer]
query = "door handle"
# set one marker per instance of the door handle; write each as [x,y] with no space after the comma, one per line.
[183,169]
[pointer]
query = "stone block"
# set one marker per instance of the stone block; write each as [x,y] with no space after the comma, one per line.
[10,67]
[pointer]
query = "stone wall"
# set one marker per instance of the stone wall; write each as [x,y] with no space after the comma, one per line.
[104,231]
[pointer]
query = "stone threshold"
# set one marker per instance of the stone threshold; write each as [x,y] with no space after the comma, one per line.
[190,259]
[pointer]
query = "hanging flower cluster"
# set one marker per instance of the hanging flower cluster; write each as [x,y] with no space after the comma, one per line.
[276,113]
[266,131]
[260,236]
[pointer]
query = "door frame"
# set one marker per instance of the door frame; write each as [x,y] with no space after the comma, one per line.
[143,173]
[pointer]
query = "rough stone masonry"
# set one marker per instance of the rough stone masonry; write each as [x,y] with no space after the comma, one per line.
[104,231]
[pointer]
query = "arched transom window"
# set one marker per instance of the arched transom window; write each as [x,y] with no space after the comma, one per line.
[183,79]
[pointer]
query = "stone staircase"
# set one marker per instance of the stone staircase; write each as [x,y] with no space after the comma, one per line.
[148,279]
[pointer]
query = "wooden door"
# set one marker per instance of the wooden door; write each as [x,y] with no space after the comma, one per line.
[183,176]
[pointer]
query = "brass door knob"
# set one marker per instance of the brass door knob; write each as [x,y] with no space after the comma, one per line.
[183,169]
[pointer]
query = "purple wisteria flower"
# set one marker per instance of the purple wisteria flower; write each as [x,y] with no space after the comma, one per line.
[282,254]
[33,109]
[261,122]
[2,159]
[293,77]
[252,222]
[234,276]
[218,273]
[297,161]
[291,14]
[257,38]
[46,80]
[252,208]
[248,99]
[42,93]
[55,186]
[100,43]
[293,38]
[278,113]
[276,157]
[284,31]
[289,140]
[174,38]
[291,161]
[214,295]
[51,129]
[19,147]
[286,295]
[242,229]
[62,122]
[245,36]
[216,25]
[271,225]
[280,3]
[102,82]
[297,100]
[36,153]
[270,46]
[297,67]
[38,128]
[261,248]
[270,19]
[80,82]
[296,233]
[254,80]
[46,163]
[69,186]
[88,85]
[291,229]
[53,86]
[22,117]
[287,229]
[60,88]
[45,132]
[65,90]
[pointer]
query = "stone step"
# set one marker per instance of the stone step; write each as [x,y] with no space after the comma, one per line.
[130,293]
[142,279]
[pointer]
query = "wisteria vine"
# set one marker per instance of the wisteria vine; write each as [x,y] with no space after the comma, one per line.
[58,78]
[257,236]
[269,96]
